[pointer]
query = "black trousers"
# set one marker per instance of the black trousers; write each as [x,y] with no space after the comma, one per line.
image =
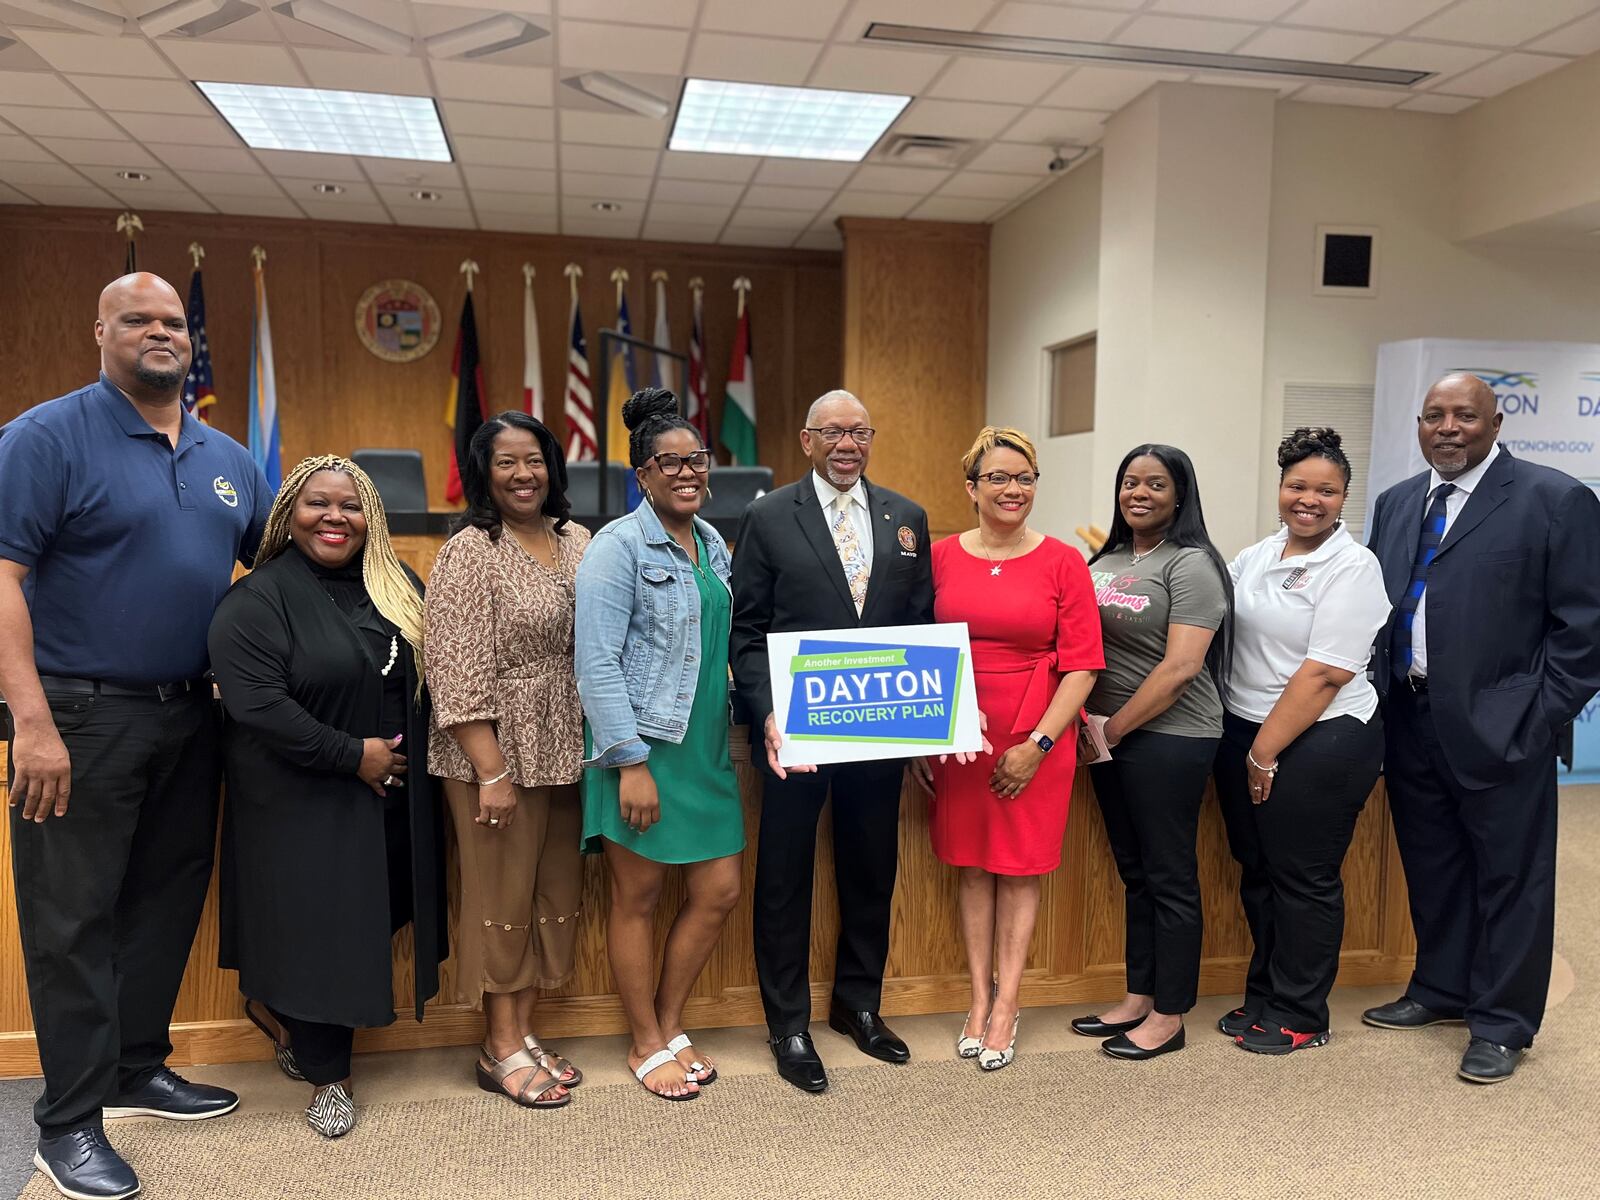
[1150,795]
[1290,850]
[322,1052]
[1481,871]
[109,896]
[866,843]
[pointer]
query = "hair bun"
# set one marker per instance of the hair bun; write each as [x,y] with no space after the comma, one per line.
[647,403]
[1305,441]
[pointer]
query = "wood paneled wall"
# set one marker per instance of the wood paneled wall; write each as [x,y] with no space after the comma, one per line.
[916,337]
[334,396]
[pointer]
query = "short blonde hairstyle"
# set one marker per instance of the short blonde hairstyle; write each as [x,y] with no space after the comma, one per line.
[997,437]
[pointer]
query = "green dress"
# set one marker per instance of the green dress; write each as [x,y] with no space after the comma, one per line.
[702,816]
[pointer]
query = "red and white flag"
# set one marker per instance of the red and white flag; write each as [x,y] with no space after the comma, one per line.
[532,385]
[579,404]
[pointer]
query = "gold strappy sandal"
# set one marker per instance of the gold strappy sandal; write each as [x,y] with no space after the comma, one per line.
[493,1079]
[560,1067]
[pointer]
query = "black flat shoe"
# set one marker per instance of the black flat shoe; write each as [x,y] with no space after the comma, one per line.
[1405,1013]
[1485,1062]
[1094,1027]
[1122,1047]
[169,1095]
[871,1036]
[798,1062]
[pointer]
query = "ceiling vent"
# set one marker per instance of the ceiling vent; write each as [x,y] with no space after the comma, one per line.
[924,150]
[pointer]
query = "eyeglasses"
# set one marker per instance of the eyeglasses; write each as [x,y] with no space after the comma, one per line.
[832,435]
[1024,479]
[673,464]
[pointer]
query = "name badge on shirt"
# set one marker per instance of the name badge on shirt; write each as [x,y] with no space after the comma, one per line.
[1296,579]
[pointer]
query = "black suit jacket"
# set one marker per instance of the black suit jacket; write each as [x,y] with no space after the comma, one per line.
[787,576]
[1513,612]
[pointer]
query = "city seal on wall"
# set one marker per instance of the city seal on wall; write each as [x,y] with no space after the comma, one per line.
[397,320]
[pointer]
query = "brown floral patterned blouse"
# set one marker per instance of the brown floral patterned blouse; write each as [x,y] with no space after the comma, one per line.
[498,640]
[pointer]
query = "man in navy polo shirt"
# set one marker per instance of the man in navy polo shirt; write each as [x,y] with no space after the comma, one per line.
[121,518]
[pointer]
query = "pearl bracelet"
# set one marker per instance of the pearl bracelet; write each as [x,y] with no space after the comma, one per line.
[1272,770]
[496,779]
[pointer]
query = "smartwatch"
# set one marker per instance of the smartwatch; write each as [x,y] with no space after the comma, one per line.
[1041,740]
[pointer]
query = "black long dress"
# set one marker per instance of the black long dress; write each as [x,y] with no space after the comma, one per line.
[317,869]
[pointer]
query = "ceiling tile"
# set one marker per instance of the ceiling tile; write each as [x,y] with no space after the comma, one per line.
[1019,160]
[61,122]
[980,185]
[744,235]
[1498,23]
[779,18]
[804,173]
[229,62]
[687,164]
[1283,85]
[354,194]
[257,206]
[1185,33]
[1581,37]
[1107,88]
[398,195]
[319,210]
[339,168]
[1053,21]
[940,14]
[669,231]
[954,208]
[171,201]
[621,47]
[1501,74]
[702,214]
[510,179]
[870,69]
[473,118]
[10,195]
[1308,44]
[50,174]
[1366,16]
[1242,10]
[675,13]
[1443,60]
[144,95]
[502,85]
[913,181]
[771,218]
[591,227]
[751,59]
[356,71]
[228,183]
[613,129]
[869,204]
[1057,126]
[418,174]
[519,223]
[684,191]
[504,152]
[611,187]
[211,158]
[73,197]
[94,54]
[20,149]
[994,80]
[800,198]
[1429,102]
[1327,93]
[39,89]
[109,177]
[956,118]
[611,160]
[485,201]
[820,239]
[191,131]
[428,217]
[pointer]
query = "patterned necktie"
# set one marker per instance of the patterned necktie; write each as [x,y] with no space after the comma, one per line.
[1427,549]
[851,556]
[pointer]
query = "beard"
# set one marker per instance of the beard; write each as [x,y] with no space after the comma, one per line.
[155,378]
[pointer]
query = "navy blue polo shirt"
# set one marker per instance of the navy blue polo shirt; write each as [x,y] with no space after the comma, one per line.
[129,542]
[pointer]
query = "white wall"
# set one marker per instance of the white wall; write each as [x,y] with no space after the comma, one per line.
[1044,276]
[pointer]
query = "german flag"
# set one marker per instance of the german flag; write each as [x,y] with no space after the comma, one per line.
[464,411]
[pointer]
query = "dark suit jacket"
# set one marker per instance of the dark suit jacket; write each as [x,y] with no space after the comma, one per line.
[787,576]
[1513,612]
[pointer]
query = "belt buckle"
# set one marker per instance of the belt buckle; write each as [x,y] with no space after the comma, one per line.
[1417,683]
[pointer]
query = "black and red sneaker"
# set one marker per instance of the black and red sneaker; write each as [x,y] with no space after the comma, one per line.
[1275,1039]
[1237,1023]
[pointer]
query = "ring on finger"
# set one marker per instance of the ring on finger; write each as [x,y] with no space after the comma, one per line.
[494,820]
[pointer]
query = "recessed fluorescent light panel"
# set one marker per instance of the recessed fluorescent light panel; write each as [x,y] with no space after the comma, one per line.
[1145,56]
[716,117]
[372,124]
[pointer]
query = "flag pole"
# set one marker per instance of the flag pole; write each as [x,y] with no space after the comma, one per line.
[129,223]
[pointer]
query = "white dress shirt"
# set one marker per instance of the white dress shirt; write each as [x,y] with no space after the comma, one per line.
[860,515]
[1453,504]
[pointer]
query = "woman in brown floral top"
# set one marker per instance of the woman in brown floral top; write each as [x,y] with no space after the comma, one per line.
[507,740]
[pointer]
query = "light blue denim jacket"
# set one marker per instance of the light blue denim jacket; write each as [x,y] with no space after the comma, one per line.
[638,634]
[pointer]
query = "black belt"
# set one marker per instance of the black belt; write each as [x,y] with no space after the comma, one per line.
[1417,683]
[99,687]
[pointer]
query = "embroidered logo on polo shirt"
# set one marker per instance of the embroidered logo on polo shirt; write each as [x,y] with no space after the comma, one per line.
[225,491]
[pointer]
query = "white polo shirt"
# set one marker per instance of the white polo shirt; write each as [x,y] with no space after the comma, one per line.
[1326,606]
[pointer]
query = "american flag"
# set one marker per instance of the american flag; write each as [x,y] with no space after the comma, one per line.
[198,392]
[579,404]
[696,407]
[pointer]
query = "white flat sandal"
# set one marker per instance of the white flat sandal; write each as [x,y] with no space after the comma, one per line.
[993,1060]
[660,1059]
[704,1074]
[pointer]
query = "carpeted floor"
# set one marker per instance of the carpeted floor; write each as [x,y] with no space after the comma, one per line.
[1374,1114]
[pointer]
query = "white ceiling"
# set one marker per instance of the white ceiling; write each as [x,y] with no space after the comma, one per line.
[535,155]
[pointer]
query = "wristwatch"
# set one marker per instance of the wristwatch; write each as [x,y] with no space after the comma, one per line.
[1042,740]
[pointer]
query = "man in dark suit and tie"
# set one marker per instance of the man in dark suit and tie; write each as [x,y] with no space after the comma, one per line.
[1493,565]
[831,551]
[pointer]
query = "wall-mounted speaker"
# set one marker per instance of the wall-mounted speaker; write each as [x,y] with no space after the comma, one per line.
[1346,261]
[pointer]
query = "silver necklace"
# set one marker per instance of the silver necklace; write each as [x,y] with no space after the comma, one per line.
[1139,558]
[994,567]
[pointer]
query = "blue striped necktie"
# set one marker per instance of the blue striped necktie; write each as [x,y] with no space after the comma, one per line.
[1427,550]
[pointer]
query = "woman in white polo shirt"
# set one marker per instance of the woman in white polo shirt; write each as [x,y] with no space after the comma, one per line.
[1302,741]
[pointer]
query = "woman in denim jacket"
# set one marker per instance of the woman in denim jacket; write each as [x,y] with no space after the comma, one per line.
[653,612]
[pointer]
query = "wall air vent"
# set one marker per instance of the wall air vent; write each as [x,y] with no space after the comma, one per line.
[924,150]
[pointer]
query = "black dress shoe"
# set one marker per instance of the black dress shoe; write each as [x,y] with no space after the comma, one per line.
[871,1036]
[83,1165]
[170,1095]
[798,1062]
[1485,1062]
[1122,1046]
[1095,1027]
[1405,1013]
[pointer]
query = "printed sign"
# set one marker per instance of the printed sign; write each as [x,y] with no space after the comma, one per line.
[857,695]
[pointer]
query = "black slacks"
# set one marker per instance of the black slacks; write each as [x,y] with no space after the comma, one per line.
[1150,795]
[1481,872]
[321,1051]
[866,843]
[1290,850]
[109,896]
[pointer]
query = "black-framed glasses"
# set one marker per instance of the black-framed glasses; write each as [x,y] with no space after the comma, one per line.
[673,464]
[1023,479]
[832,435]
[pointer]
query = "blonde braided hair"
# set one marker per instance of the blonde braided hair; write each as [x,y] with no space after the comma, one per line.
[386,581]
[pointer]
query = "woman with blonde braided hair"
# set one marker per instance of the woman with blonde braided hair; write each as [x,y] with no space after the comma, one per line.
[332,832]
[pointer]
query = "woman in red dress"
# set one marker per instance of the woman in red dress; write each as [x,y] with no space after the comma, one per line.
[1000,817]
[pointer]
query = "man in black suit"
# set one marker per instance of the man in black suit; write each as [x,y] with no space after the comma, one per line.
[829,552]
[1494,568]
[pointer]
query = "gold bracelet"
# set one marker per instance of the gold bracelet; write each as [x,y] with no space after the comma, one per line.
[496,779]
